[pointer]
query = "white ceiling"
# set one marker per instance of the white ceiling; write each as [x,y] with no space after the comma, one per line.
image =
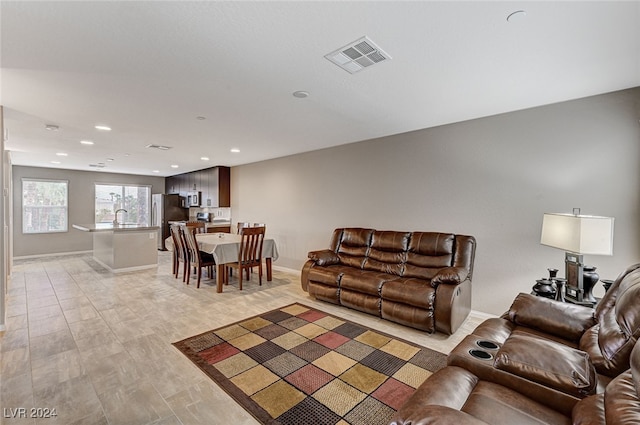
[148,69]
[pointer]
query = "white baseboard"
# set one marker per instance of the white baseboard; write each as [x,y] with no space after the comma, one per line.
[54,254]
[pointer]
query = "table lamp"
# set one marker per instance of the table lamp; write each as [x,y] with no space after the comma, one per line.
[578,235]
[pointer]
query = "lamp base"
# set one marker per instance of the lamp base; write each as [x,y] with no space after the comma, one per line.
[580,280]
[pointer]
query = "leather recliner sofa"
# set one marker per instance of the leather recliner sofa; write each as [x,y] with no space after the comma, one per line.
[454,395]
[547,362]
[418,279]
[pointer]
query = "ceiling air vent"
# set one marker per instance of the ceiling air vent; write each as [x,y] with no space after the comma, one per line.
[358,55]
[161,147]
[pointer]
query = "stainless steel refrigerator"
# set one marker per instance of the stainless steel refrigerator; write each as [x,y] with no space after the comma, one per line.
[166,208]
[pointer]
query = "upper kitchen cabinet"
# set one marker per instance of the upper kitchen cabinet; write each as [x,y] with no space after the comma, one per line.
[219,191]
[212,184]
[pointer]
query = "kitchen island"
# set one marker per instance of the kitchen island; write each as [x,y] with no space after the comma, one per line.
[123,247]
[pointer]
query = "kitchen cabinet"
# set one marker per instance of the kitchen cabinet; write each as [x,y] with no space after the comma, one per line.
[213,183]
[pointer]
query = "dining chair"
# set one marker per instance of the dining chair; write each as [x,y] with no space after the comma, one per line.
[250,253]
[242,225]
[197,259]
[200,226]
[179,251]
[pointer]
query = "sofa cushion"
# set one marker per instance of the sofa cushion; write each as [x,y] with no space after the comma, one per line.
[364,281]
[618,326]
[569,370]
[428,252]
[565,320]
[388,252]
[459,389]
[415,292]
[589,411]
[354,246]
[621,403]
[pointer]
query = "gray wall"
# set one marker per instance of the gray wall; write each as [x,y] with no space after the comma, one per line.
[81,208]
[492,178]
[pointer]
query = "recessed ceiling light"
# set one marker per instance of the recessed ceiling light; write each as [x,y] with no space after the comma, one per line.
[51,127]
[204,158]
[55,162]
[155,171]
[235,150]
[201,118]
[110,159]
[62,154]
[300,94]
[103,127]
[86,142]
[174,166]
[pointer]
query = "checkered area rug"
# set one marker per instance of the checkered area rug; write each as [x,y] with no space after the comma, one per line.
[298,365]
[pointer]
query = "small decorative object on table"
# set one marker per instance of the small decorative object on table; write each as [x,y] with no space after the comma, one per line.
[545,287]
[607,284]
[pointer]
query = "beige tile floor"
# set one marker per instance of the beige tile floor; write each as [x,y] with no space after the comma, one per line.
[96,346]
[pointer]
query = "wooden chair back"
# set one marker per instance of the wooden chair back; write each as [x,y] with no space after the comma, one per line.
[196,259]
[199,226]
[178,244]
[242,225]
[192,245]
[251,242]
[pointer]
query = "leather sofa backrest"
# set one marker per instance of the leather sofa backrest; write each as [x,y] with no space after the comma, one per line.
[388,252]
[407,254]
[610,341]
[428,253]
[618,317]
[352,245]
[464,254]
[621,397]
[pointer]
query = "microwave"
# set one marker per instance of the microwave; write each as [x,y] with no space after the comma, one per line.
[193,199]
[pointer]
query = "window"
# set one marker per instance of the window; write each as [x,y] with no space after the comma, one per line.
[45,206]
[134,200]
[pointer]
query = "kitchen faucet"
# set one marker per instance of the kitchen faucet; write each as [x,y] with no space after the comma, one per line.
[115,220]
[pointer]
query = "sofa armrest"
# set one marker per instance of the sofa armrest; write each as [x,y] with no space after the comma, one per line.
[438,415]
[548,363]
[325,257]
[565,320]
[450,275]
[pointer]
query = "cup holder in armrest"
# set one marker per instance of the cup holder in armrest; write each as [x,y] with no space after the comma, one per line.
[489,345]
[482,355]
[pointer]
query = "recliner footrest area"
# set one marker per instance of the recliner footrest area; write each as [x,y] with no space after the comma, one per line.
[549,363]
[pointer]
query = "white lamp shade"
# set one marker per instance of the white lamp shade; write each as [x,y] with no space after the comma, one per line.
[581,234]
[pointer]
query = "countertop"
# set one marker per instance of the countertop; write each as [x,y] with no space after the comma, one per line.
[218,224]
[107,227]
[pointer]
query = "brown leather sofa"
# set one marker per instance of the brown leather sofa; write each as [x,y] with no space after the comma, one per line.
[454,395]
[607,333]
[542,360]
[418,279]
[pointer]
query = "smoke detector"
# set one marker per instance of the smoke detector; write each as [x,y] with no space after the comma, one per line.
[358,55]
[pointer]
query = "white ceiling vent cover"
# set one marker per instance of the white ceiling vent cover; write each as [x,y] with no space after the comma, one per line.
[358,55]
[161,147]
